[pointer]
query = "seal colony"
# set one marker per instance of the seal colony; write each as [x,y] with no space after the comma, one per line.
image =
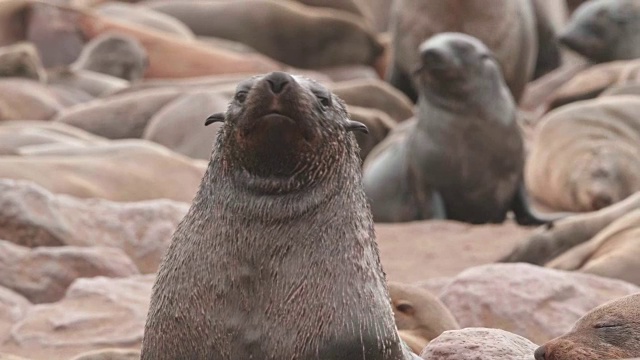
[276,258]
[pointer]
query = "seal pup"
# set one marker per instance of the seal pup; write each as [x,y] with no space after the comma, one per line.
[610,331]
[604,30]
[114,54]
[420,316]
[462,158]
[276,258]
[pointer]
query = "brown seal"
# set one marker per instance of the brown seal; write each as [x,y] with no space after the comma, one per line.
[546,243]
[610,331]
[110,170]
[420,317]
[507,27]
[611,253]
[169,56]
[584,155]
[449,163]
[294,34]
[605,30]
[114,54]
[246,276]
[27,99]
[146,17]
[92,83]
[120,116]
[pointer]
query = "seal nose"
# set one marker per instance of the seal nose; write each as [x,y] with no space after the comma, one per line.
[278,81]
[540,353]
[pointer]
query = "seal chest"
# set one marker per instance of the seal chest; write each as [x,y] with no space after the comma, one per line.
[276,258]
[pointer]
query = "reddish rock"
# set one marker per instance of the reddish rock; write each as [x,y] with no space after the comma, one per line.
[528,300]
[13,307]
[95,314]
[479,343]
[43,274]
[31,216]
[417,251]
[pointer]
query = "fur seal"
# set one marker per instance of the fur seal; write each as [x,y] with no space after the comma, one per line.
[584,155]
[294,34]
[178,125]
[263,283]
[546,243]
[507,27]
[610,331]
[440,165]
[118,117]
[21,60]
[114,54]
[611,253]
[92,83]
[146,17]
[22,98]
[420,317]
[604,30]
[169,56]
[109,171]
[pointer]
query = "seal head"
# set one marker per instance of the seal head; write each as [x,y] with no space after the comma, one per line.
[280,129]
[610,331]
[604,30]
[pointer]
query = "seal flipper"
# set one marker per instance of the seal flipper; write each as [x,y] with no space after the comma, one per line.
[217,117]
[527,216]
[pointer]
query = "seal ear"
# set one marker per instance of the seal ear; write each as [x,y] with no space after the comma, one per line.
[218,117]
[405,307]
[356,126]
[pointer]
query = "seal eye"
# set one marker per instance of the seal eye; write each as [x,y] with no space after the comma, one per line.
[606,325]
[324,101]
[241,96]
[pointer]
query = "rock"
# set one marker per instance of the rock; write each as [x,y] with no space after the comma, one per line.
[528,300]
[31,216]
[43,274]
[13,307]
[95,314]
[417,251]
[479,343]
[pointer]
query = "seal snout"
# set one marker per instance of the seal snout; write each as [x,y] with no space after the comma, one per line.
[433,58]
[278,81]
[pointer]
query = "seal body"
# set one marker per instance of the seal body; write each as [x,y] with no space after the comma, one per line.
[604,30]
[584,155]
[507,27]
[462,158]
[114,54]
[610,331]
[276,258]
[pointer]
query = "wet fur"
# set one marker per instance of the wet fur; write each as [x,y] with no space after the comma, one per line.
[275,259]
